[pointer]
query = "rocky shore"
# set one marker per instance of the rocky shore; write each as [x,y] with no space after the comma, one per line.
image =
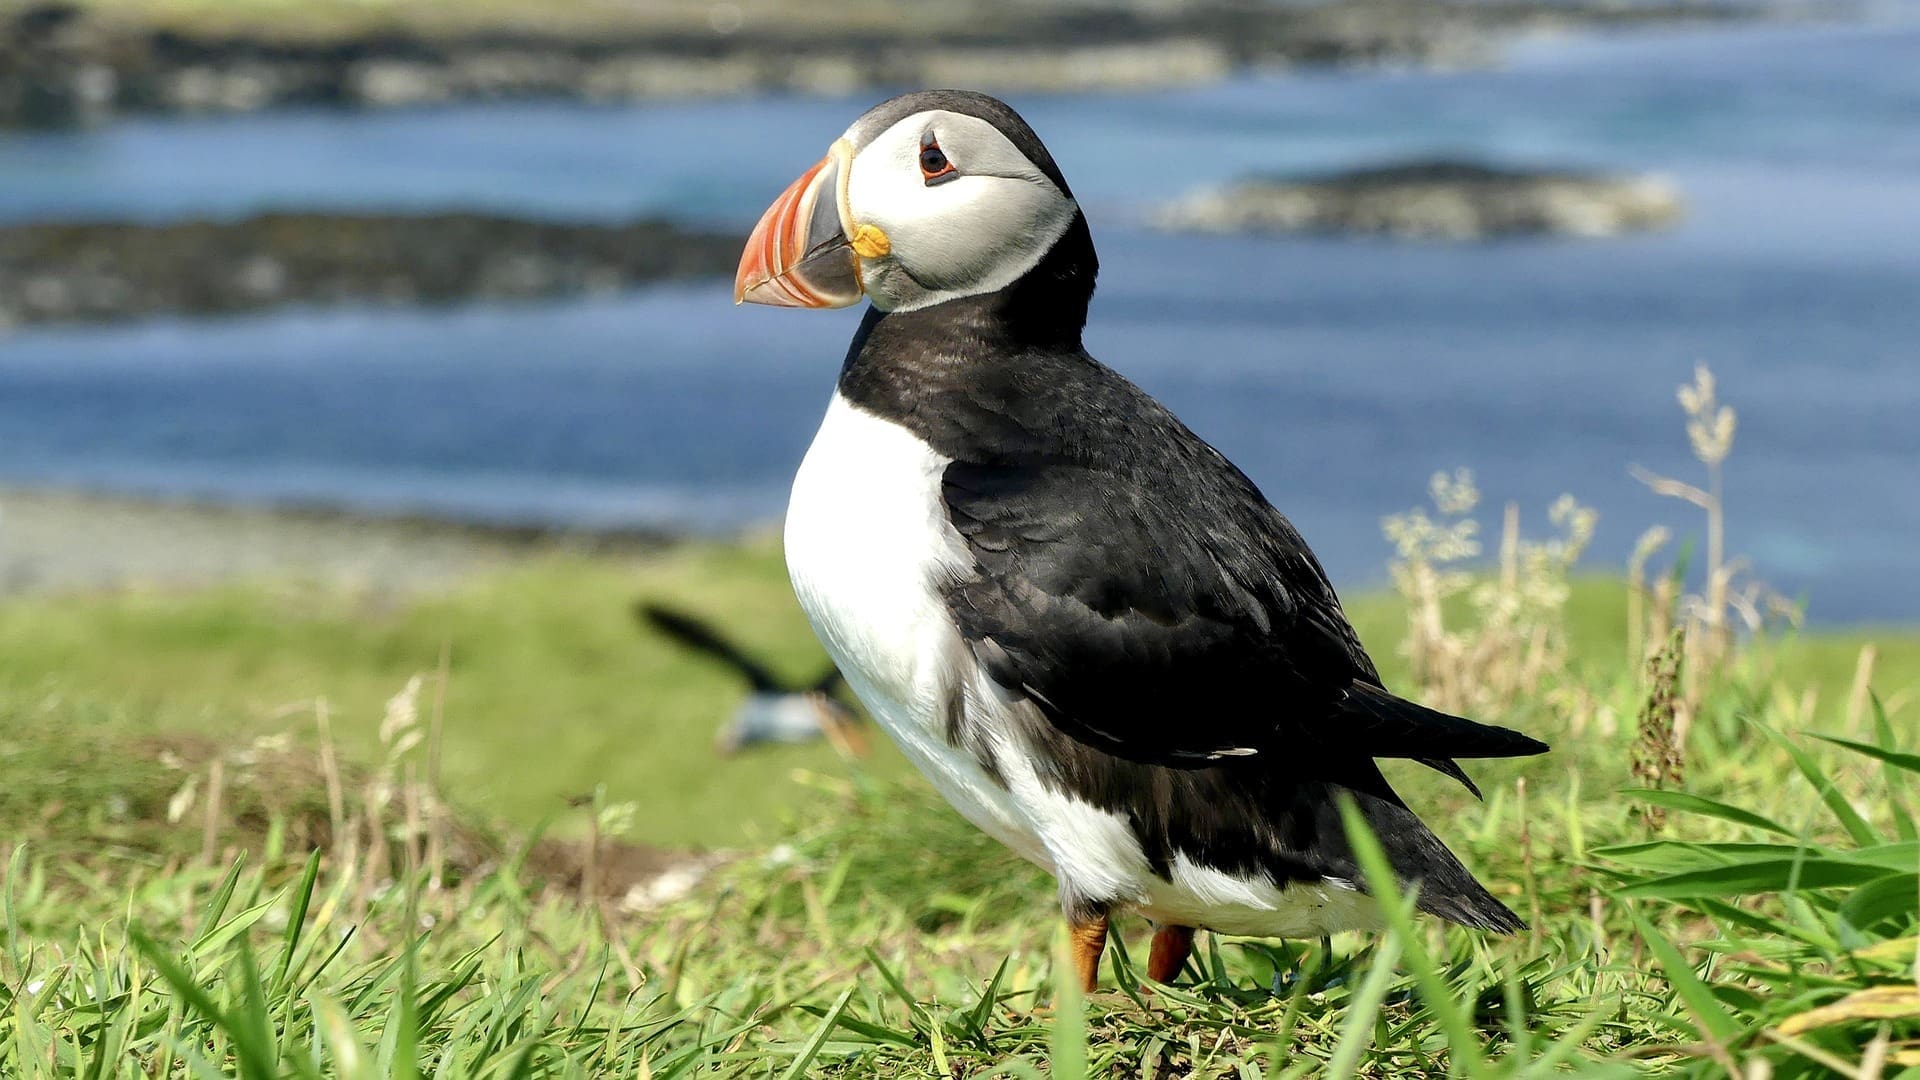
[63,64]
[1434,200]
[100,271]
[151,542]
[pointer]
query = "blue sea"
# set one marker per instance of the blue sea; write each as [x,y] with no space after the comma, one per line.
[1339,373]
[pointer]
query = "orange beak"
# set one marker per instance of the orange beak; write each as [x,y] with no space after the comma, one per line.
[800,255]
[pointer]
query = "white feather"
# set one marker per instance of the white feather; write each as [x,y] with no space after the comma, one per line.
[1199,895]
[866,541]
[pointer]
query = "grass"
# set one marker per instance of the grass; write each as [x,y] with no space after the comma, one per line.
[887,938]
[870,932]
[552,688]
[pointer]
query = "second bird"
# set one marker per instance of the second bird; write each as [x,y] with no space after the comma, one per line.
[776,710]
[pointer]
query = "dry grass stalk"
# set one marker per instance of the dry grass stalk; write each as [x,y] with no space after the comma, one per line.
[330,773]
[1861,696]
[590,879]
[1650,542]
[373,825]
[1536,919]
[1584,708]
[210,830]
[1516,640]
[413,797]
[1726,599]
[396,780]
[1658,759]
[605,821]
[436,820]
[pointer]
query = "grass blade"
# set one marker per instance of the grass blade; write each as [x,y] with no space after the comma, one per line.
[1067,1044]
[1687,802]
[1903,822]
[1899,759]
[1356,1034]
[351,1059]
[1843,811]
[1716,1024]
[297,918]
[1882,899]
[1455,1022]
[1760,876]
[819,1037]
[255,1059]
[217,903]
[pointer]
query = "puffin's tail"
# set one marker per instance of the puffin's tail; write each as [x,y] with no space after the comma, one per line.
[1387,726]
[1420,860]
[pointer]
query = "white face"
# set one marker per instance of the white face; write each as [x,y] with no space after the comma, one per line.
[963,210]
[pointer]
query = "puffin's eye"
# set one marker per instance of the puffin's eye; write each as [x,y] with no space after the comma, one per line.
[934,166]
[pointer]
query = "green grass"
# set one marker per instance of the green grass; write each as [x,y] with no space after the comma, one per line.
[866,930]
[553,689]
[887,938]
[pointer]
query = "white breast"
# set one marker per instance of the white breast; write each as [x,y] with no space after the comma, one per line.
[867,543]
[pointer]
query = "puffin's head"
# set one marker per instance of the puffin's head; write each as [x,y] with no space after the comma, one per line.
[928,197]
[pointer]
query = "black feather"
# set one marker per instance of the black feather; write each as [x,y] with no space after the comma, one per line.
[702,637]
[1401,728]
[1451,768]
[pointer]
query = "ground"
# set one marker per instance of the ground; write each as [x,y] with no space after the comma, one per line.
[164,920]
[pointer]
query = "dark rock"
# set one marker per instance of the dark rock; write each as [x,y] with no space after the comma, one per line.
[1434,200]
[95,271]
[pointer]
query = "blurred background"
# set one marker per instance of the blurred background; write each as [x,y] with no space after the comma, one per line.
[342,340]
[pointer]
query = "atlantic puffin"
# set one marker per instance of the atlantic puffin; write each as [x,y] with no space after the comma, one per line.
[776,710]
[1092,633]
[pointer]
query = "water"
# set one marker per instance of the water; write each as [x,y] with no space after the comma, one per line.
[1340,374]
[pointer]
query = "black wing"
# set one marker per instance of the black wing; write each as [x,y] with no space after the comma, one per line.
[698,635]
[1151,602]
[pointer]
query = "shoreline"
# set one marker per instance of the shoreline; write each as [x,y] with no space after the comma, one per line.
[61,539]
[75,540]
[65,64]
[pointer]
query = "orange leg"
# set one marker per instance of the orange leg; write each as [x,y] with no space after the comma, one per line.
[838,727]
[1087,940]
[1171,944]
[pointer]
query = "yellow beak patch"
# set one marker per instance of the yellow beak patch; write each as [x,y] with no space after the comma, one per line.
[869,242]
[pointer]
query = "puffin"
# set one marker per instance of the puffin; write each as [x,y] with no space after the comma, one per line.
[1091,632]
[776,710]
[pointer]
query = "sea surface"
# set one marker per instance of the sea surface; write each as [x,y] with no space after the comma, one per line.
[1339,373]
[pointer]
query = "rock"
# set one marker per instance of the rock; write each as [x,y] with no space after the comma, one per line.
[99,271]
[395,83]
[1434,200]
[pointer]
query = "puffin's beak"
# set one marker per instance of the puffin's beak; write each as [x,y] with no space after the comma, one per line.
[799,255]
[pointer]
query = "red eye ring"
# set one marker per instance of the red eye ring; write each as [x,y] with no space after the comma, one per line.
[934,165]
